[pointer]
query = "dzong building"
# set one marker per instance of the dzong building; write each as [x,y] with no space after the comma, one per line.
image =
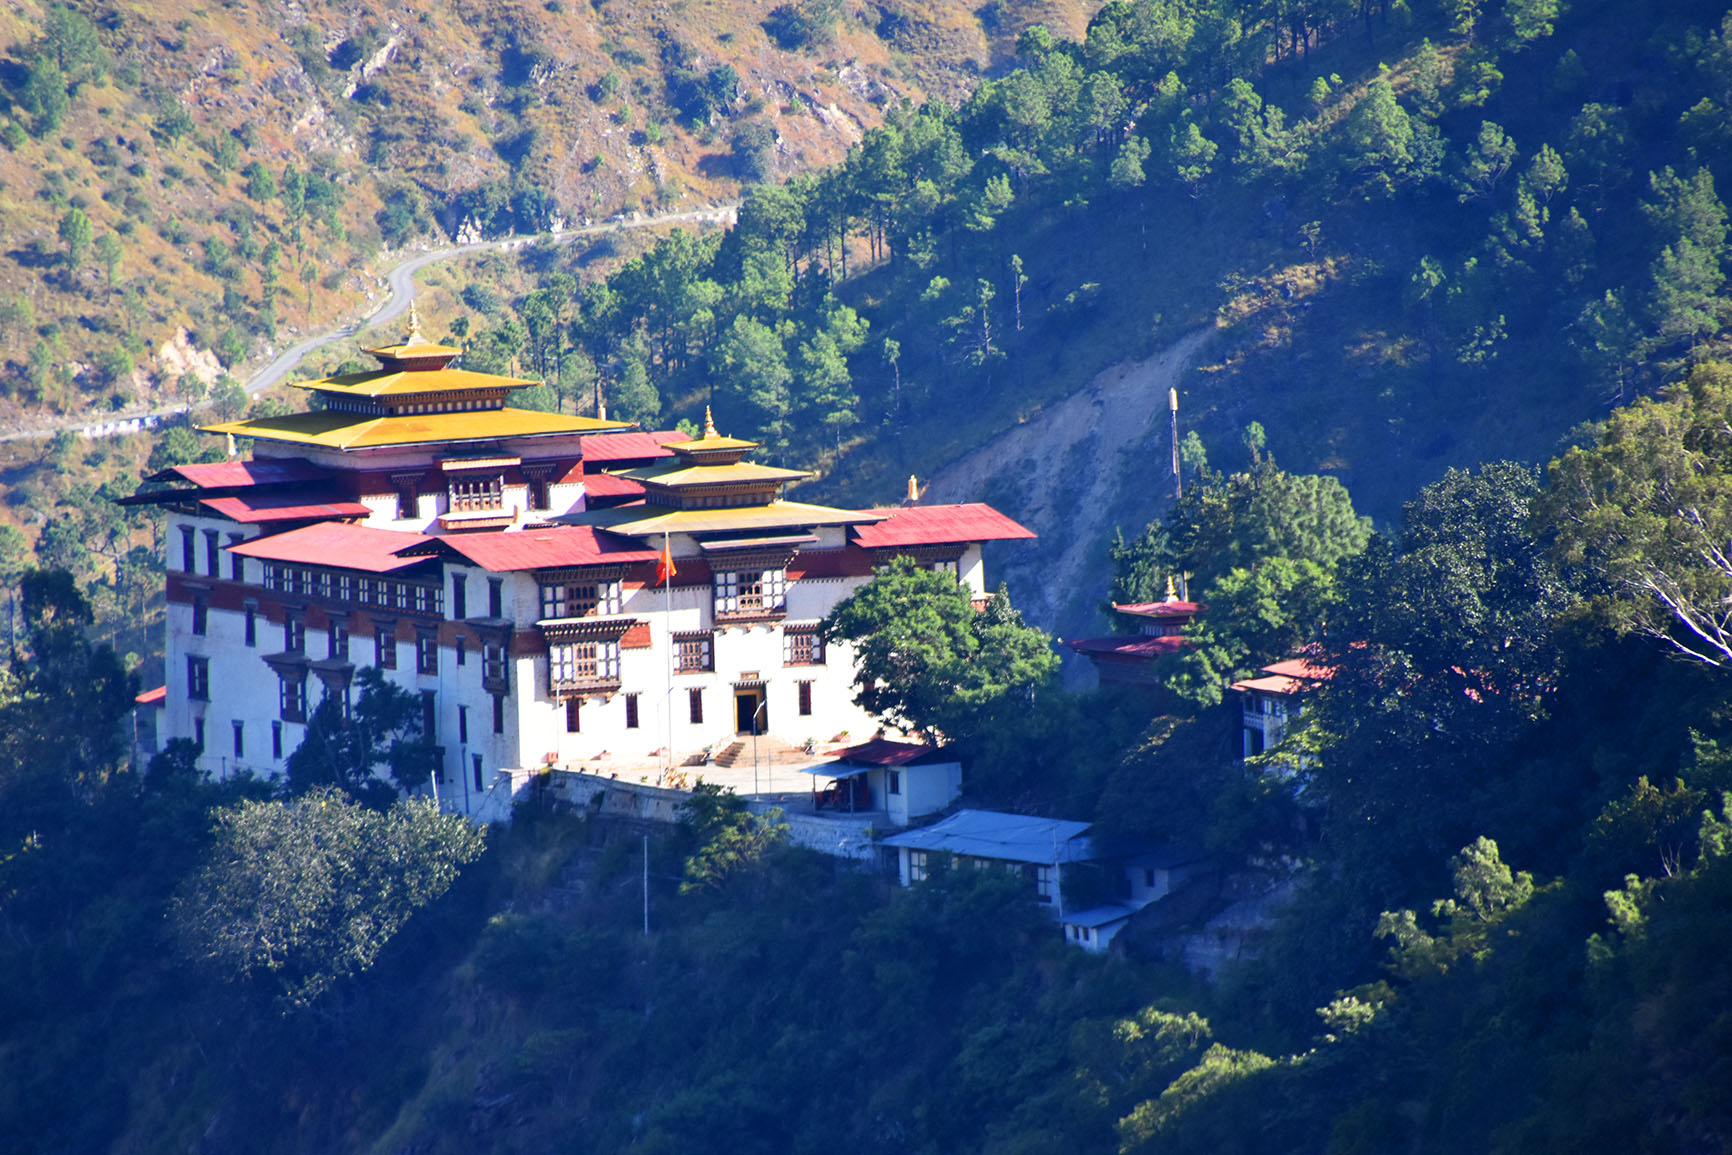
[556,590]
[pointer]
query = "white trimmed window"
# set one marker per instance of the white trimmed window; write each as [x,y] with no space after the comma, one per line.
[751,591]
[583,663]
[580,599]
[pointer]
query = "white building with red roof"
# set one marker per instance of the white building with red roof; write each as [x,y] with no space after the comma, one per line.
[1274,699]
[556,590]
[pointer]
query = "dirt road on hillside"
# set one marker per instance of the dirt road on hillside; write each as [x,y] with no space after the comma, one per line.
[400,281]
[1068,462]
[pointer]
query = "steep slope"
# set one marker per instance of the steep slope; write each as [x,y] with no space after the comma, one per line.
[234,169]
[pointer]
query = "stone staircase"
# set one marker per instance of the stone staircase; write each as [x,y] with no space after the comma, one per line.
[771,752]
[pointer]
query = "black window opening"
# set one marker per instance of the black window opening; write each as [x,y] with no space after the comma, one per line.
[197,678]
[805,699]
[188,551]
[251,629]
[475,762]
[459,597]
[462,724]
[240,739]
[695,700]
[292,698]
[200,616]
[573,715]
[277,741]
[499,713]
[212,553]
[237,563]
[429,715]
[631,711]
[495,598]
[427,653]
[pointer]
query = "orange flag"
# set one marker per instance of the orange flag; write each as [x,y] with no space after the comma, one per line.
[665,564]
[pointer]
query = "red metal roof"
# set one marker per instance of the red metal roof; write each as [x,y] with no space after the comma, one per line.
[608,485]
[1273,685]
[553,548]
[337,544]
[938,525]
[613,447]
[244,474]
[292,505]
[1301,668]
[1172,609]
[156,697]
[884,752]
[1122,648]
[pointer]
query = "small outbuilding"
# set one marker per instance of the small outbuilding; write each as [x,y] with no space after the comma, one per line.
[906,780]
[1040,848]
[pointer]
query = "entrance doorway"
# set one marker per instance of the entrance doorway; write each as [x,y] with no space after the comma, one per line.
[751,711]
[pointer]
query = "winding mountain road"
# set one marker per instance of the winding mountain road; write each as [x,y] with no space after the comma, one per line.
[400,281]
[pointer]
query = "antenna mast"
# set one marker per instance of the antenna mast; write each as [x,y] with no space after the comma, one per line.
[1173,408]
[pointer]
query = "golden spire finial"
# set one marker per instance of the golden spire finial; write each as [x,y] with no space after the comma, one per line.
[710,433]
[913,490]
[415,336]
[1172,594]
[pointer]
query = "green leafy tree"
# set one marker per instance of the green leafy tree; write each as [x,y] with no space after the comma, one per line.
[926,659]
[76,233]
[1649,509]
[1193,158]
[1489,158]
[307,892]
[731,840]
[109,251]
[347,745]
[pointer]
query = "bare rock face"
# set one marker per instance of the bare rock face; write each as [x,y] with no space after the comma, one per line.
[178,356]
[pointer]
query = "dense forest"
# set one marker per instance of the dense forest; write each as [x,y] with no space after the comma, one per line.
[1464,265]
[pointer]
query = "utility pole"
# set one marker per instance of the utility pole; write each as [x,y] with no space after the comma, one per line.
[1178,478]
[1178,475]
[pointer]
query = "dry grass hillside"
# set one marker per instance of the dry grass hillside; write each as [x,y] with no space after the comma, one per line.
[413,121]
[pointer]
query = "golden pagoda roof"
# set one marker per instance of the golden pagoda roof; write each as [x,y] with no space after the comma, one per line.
[414,345]
[674,474]
[712,441]
[653,520]
[404,351]
[333,430]
[393,382]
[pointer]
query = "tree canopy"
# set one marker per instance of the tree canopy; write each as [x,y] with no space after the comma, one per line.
[927,659]
[1649,508]
[308,891]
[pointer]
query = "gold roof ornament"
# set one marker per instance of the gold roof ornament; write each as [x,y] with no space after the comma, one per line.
[710,433]
[913,491]
[1172,593]
[415,337]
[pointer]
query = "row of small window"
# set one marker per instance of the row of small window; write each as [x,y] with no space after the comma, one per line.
[495,669]
[240,738]
[292,701]
[213,547]
[694,708]
[471,492]
[696,652]
[337,641]
[920,866]
[240,731]
[384,593]
[736,592]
